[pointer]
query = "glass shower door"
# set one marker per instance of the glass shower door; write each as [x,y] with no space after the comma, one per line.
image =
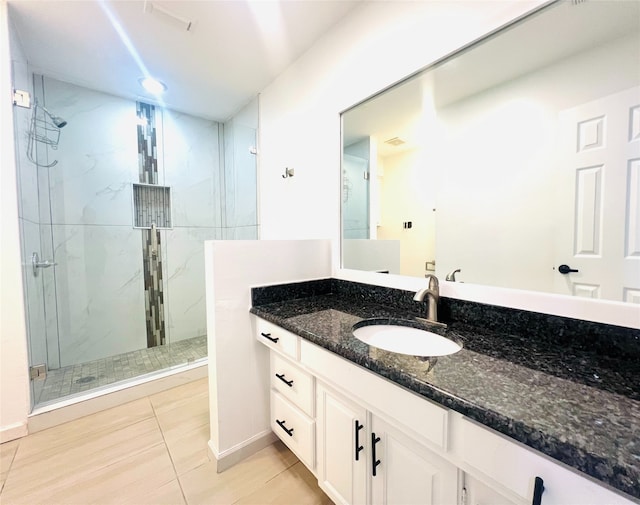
[38,265]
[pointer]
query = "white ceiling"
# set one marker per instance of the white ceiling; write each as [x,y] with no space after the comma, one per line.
[232,51]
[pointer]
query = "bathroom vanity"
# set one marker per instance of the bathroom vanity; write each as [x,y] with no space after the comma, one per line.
[533,409]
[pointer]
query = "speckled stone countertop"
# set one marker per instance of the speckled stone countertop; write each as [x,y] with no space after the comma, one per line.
[553,393]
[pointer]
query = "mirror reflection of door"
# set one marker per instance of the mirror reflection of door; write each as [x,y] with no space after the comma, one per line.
[598,195]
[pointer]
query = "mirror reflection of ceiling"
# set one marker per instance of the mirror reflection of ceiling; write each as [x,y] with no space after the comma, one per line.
[214,56]
[484,175]
[582,26]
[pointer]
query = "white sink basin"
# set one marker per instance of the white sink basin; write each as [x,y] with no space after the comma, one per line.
[405,340]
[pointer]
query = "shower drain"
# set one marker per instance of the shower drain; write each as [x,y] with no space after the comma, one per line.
[86,379]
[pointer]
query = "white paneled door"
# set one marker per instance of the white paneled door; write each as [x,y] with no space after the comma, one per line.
[598,195]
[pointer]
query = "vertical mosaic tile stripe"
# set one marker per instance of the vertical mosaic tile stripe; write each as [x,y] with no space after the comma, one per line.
[153,287]
[147,151]
[151,245]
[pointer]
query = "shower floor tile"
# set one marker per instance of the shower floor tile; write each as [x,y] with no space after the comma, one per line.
[83,377]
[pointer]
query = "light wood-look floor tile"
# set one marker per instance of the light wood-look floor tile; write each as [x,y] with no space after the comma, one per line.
[62,467]
[151,451]
[7,453]
[88,427]
[184,420]
[188,449]
[167,494]
[174,398]
[295,486]
[203,486]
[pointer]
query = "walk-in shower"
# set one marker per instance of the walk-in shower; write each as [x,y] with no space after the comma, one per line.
[114,211]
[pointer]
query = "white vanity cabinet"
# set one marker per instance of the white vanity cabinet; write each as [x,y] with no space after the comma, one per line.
[475,492]
[294,428]
[407,472]
[514,468]
[292,415]
[341,419]
[365,459]
[343,447]
[278,339]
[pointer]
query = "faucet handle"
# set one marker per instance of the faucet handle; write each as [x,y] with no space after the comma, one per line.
[451,276]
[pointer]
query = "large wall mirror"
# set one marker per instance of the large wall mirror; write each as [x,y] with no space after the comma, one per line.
[513,163]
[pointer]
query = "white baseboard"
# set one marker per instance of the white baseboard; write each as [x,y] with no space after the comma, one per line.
[229,457]
[96,401]
[13,431]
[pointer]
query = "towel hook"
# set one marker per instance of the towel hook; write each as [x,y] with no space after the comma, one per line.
[288,172]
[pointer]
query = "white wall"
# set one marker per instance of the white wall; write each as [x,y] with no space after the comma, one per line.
[14,399]
[238,364]
[376,45]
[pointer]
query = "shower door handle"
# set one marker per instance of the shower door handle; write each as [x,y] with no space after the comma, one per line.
[36,263]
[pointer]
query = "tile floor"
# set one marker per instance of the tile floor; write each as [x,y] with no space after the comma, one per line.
[150,451]
[74,379]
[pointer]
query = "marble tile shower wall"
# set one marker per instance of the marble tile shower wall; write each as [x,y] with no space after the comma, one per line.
[97,289]
[98,292]
[240,212]
[191,148]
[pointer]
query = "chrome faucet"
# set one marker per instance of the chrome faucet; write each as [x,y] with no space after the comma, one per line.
[432,294]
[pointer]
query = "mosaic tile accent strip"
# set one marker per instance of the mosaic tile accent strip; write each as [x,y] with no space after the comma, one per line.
[147,147]
[76,379]
[148,206]
[152,205]
[153,289]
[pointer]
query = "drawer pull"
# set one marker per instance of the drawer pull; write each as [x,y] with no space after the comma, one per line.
[269,337]
[374,462]
[538,488]
[288,430]
[358,446]
[281,377]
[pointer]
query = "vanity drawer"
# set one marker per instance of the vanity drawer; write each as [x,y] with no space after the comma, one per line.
[294,428]
[293,383]
[277,338]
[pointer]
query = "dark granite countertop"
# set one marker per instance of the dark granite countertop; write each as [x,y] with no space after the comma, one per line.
[557,399]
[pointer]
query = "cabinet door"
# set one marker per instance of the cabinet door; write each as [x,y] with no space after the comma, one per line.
[478,493]
[341,447]
[408,473]
[515,467]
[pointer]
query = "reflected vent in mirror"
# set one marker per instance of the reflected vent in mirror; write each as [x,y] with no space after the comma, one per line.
[395,141]
[151,205]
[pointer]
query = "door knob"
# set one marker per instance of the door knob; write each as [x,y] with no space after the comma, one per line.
[565,269]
